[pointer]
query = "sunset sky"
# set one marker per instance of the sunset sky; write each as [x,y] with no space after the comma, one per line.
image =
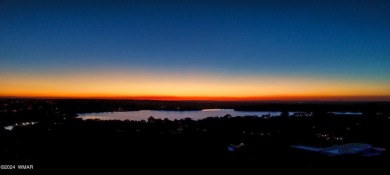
[196,50]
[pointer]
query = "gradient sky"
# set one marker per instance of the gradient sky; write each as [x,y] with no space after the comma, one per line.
[337,50]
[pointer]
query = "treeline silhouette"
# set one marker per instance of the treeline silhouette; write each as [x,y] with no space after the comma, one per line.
[106,105]
[59,140]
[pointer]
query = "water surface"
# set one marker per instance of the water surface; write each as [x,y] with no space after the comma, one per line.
[171,115]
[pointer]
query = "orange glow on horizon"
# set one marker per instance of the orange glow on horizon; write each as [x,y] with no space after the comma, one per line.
[189,86]
[205,98]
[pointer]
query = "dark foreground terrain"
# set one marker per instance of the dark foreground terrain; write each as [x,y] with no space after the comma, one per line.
[48,135]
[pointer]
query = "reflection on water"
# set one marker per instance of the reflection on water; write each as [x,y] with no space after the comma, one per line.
[218,110]
[94,116]
[171,115]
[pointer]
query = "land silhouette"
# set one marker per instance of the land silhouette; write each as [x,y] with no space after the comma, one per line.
[48,134]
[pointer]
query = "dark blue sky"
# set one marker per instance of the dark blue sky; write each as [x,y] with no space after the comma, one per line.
[324,39]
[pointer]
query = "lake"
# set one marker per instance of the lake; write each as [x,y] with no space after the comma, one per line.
[195,115]
[172,115]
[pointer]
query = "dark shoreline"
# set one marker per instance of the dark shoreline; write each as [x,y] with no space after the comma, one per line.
[59,138]
[107,105]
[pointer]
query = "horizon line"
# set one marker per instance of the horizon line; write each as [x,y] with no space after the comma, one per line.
[207,98]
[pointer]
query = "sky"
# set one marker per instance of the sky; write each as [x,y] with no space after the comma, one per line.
[220,50]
